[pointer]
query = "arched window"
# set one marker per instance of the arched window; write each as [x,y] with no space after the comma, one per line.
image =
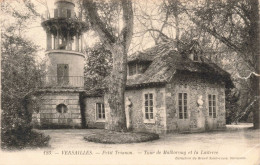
[61,108]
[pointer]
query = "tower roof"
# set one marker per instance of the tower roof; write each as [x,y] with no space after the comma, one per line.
[69,1]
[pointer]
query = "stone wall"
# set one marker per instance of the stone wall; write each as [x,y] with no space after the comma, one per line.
[138,121]
[198,117]
[48,114]
[90,112]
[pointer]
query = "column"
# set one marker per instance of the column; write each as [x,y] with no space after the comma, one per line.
[81,45]
[77,42]
[56,39]
[48,41]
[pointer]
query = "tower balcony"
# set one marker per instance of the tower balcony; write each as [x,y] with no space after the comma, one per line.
[63,82]
[60,13]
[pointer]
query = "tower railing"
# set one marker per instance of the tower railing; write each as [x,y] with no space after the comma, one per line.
[60,13]
[63,81]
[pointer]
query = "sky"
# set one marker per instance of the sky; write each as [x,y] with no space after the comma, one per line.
[141,40]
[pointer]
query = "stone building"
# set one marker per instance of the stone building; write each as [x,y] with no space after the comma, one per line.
[168,92]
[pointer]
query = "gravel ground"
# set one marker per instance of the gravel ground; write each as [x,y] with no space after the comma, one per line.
[237,145]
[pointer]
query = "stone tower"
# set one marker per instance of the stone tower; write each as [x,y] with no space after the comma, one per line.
[65,66]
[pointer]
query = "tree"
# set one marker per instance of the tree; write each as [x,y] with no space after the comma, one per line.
[21,77]
[236,24]
[118,44]
[221,28]
[98,67]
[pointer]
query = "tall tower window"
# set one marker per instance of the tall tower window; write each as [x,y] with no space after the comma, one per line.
[68,13]
[62,74]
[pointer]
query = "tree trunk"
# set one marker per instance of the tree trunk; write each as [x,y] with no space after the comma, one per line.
[118,45]
[116,119]
[254,39]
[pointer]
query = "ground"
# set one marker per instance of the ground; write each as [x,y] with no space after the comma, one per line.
[237,145]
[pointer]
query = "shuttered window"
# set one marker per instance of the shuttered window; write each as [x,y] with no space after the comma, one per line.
[68,13]
[63,74]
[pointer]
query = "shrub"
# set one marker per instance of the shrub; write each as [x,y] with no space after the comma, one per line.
[21,77]
[112,137]
[18,134]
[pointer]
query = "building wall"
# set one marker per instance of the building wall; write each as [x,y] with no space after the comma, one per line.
[198,117]
[73,59]
[48,114]
[90,112]
[138,122]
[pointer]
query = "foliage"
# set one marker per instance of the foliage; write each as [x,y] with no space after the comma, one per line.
[98,67]
[232,106]
[235,24]
[21,76]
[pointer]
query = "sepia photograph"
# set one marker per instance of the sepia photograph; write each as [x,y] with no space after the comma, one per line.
[130,82]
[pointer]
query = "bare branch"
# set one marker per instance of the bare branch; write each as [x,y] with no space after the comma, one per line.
[127,31]
[97,23]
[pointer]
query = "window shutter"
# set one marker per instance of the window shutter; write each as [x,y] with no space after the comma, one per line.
[55,13]
[63,74]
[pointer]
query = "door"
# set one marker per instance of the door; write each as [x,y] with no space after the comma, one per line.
[63,74]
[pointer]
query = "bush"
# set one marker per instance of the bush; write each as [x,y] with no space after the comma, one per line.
[21,78]
[19,140]
[112,137]
[18,134]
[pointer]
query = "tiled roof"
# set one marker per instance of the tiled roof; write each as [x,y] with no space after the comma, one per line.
[166,62]
[151,53]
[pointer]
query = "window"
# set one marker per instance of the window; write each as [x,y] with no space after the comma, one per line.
[195,57]
[100,111]
[131,69]
[212,106]
[61,108]
[62,74]
[142,67]
[68,13]
[182,104]
[148,106]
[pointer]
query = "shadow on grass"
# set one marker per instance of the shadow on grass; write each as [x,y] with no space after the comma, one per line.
[111,137]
